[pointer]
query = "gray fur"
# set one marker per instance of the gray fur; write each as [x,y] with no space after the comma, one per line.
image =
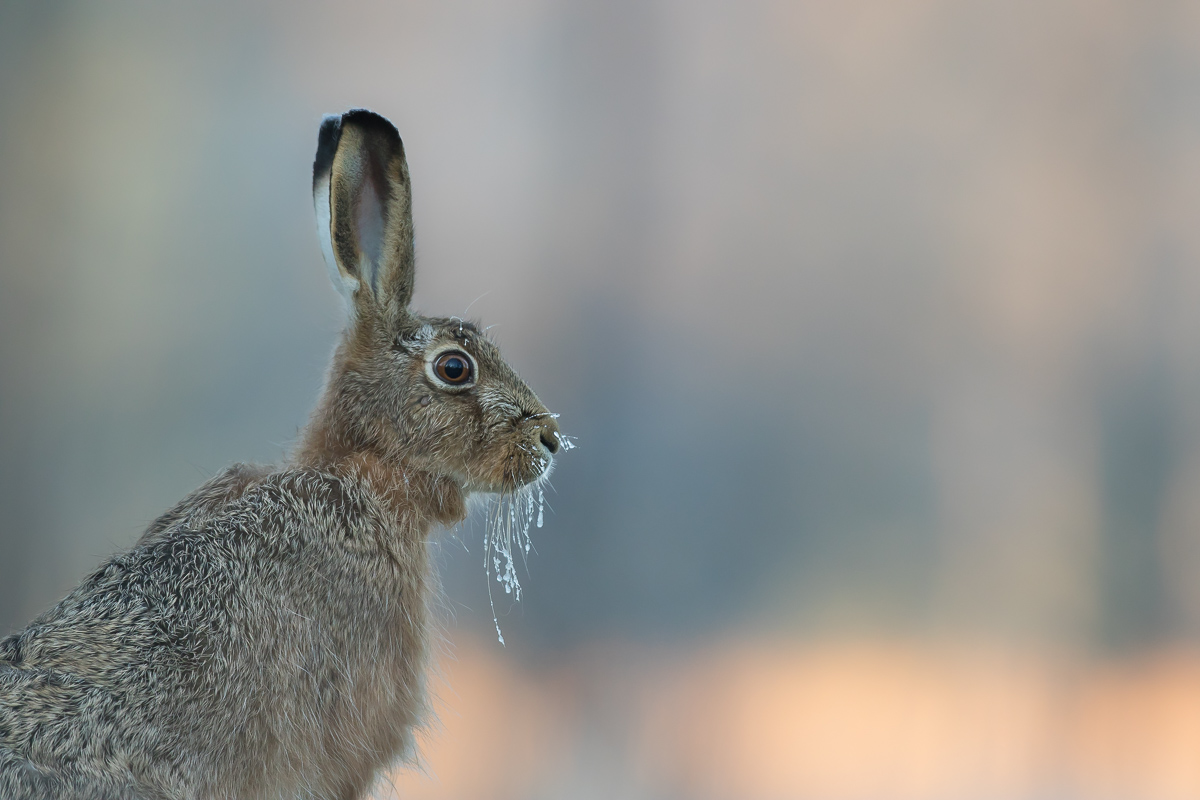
[269,636]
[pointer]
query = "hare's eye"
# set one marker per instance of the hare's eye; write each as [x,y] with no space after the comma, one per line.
[453,367]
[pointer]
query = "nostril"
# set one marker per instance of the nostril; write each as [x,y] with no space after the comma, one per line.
[548,440]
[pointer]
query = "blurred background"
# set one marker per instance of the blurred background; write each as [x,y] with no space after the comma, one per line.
[875,321]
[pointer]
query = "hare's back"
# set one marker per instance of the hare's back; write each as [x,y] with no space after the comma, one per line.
[93,692]
[205,646]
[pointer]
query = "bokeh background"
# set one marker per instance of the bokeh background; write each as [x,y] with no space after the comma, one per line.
[876,323]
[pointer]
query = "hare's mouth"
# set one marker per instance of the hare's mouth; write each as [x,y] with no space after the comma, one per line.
[523,460]
[530,460]
[509,473]
[524,475]
[520,464]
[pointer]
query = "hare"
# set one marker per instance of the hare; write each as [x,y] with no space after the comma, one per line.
[268,636]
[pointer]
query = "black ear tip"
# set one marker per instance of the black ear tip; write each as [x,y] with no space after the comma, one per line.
[369,120]
[331,133]
[327,142]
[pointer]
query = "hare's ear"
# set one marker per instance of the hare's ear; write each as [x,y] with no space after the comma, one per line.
[364,210]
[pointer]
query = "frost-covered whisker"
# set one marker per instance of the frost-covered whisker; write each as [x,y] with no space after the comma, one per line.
[506,533]
[476,300]
[508,516]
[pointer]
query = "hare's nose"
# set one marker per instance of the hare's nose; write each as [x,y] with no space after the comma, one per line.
[548,435]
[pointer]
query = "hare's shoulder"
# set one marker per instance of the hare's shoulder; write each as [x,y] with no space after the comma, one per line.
[229,572]
[296,505]
[246,532]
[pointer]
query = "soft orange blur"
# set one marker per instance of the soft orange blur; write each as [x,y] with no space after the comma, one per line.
[823,721]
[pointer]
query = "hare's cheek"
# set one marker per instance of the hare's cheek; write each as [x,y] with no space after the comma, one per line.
[494,468]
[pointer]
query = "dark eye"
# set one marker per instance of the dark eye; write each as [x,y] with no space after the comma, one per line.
[453,367]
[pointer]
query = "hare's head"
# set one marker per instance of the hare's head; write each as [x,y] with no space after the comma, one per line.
[430,392]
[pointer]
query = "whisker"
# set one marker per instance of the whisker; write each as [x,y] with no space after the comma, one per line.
[508,517]
[476,300]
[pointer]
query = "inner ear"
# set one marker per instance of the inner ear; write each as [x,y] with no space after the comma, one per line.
[370,222]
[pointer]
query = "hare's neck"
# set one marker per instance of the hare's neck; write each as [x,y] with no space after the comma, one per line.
[412,493]
[323,441]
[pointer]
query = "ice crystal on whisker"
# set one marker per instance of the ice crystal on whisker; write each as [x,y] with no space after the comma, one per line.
[509,517]
[507,520]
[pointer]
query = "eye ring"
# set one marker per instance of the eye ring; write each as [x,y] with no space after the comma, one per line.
[454,368]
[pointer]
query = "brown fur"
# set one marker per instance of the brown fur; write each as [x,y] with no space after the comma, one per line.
[268,637]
